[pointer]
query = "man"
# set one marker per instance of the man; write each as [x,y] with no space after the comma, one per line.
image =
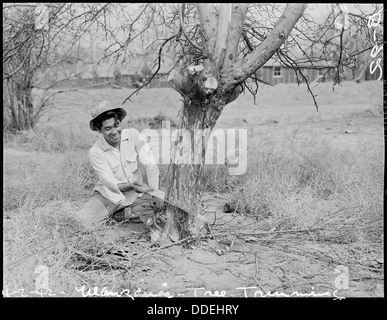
[120,192]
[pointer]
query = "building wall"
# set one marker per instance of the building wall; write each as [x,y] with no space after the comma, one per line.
[288,75]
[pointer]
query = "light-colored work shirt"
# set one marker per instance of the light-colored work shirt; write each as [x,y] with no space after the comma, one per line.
[114,166]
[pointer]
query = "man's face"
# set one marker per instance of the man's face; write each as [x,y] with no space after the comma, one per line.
[111,130]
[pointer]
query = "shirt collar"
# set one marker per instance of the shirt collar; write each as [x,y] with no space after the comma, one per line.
[103,143]
[106,146]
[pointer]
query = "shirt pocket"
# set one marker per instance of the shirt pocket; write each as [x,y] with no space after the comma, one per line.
[114,165]
[132,163]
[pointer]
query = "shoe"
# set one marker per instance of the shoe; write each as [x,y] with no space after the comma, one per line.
[120,216]
[126,215]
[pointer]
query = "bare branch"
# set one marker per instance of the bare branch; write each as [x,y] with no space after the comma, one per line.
[56,12]
[295,66]
[155,73]
[266,49]
[239,11]
[208,24]
[9,75]
[181,15]
[337,77]
[221,39]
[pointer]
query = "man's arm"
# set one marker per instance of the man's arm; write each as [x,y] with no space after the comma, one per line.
[127,186]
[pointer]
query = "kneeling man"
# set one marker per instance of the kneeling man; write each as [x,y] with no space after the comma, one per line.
[120,192]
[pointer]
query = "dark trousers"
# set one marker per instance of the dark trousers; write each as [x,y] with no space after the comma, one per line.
[141,208]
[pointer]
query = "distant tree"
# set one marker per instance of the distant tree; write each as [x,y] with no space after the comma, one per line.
[347,45]
[40,42]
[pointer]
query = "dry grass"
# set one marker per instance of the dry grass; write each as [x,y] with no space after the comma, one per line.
[291,184]
[50,236]
[34,179]
[53,138]
[308,184]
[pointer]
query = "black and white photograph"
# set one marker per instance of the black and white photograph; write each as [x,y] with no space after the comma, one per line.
[177,151]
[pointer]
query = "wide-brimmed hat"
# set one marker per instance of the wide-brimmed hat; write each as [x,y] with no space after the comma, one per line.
[102,107]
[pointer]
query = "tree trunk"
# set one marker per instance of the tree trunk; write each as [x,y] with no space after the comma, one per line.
[21,110]
[198,118]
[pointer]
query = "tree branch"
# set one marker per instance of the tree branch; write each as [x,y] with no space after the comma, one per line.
[181,15]
[221,39]
[238,15]
[207,17]
[267,48]
[155,73]
[293,64]
[247,41]
[57,10]
[9,75]
[337,77]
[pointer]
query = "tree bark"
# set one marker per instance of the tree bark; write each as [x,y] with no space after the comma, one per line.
[208,23]
[221,40]
[239,11]
[18,102]
[199,115]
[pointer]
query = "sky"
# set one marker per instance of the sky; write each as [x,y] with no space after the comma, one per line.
[319,12]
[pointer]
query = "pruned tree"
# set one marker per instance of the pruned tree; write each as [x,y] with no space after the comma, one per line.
[210,72]
[206,90]
[221,48]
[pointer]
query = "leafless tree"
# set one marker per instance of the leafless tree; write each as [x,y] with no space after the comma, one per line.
[40,41]
[25,50]
[347,48]
[218,50]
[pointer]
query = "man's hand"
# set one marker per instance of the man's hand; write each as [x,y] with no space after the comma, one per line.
[142,187]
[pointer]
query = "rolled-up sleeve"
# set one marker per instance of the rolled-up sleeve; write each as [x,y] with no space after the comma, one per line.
[103,170]
[146,158]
